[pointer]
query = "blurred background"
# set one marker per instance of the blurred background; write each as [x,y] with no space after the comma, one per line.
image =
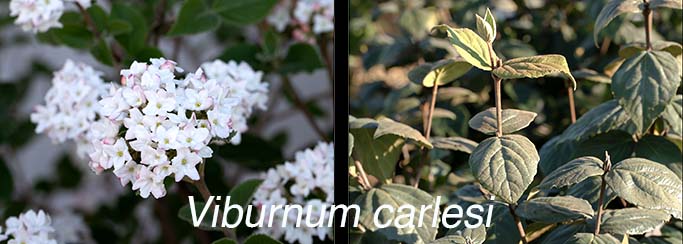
[87,208]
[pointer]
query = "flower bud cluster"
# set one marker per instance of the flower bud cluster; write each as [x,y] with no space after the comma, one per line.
[71,105]
[29,227]
[308,15]
[307,182]
[157,125]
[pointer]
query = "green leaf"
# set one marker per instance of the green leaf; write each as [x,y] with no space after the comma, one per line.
[632,221]
[645,85]
[469,46]
[185,214]
[242,52]
[118,27]
[387,126]
[418,20]
[573,172]
[134,39]
[535,67]
[194,17]
[660,150]
[468,236]
[605,117]
[457,95]
[647,184]
[589,189]
[301,57]
[674,4]
[628,50]
[417,74]
[253,152]
[454,143]
[591,75]
[673,115]
[378,156]
[242,195]
[261,239]
[586,238]
[396,195]
[612,9]
[445,71]
[618,144]
[102,53]
[271,42]
[99,16]
[505,165]
[492,22]
[6,182]
[513,120]
[224,241]
[555,209]
[484,29]
[243,12]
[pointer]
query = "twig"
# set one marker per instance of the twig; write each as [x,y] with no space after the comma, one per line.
[606,168]
[496,85]
[91,24]
[518,222]
[287,86]
[329,65]
[166,227]
[365,182]
[647,13]
[427,131]
[572,107]
[204,191]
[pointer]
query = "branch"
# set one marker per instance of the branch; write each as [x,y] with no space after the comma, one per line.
[287,86]
[91,25]
[364,181]
[605,167]
[427,131]
[647,13]
[520,227]
[572,107]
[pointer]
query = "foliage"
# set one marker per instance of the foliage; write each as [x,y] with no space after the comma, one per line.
[611,174]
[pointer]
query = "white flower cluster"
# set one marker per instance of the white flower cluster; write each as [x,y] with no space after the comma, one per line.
[29,227]
[40,15]
[243,82]
[308,182]
[308,15]
[71,105]
[157,125]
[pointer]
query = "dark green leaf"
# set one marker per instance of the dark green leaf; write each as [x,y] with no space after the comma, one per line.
[555,209]
[118,27]
[632,221]
[589,189]
[194,17]
[135,39]
[224,241]
[513,120]
[243,12]
[618,144]
[261,239]
[612,9]
[99,17]
[102,53]
[660,150]
[396,195]
[454,143]
[673,115]
[535,67]
[185,214]
[573,172]
[645,85]
[387,126]
[378,156]
[586,238]
[242,195]
[505,165]
[301,57]
[647,184]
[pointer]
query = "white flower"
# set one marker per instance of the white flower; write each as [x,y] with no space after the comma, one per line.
[118,154]
[307,15]
[322,24]
[279,18]
[127,172]
[37,15]
[155,125]
[71,105]
[158,103]
[29,227]
[184,164]
[294,183]
[148,182]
